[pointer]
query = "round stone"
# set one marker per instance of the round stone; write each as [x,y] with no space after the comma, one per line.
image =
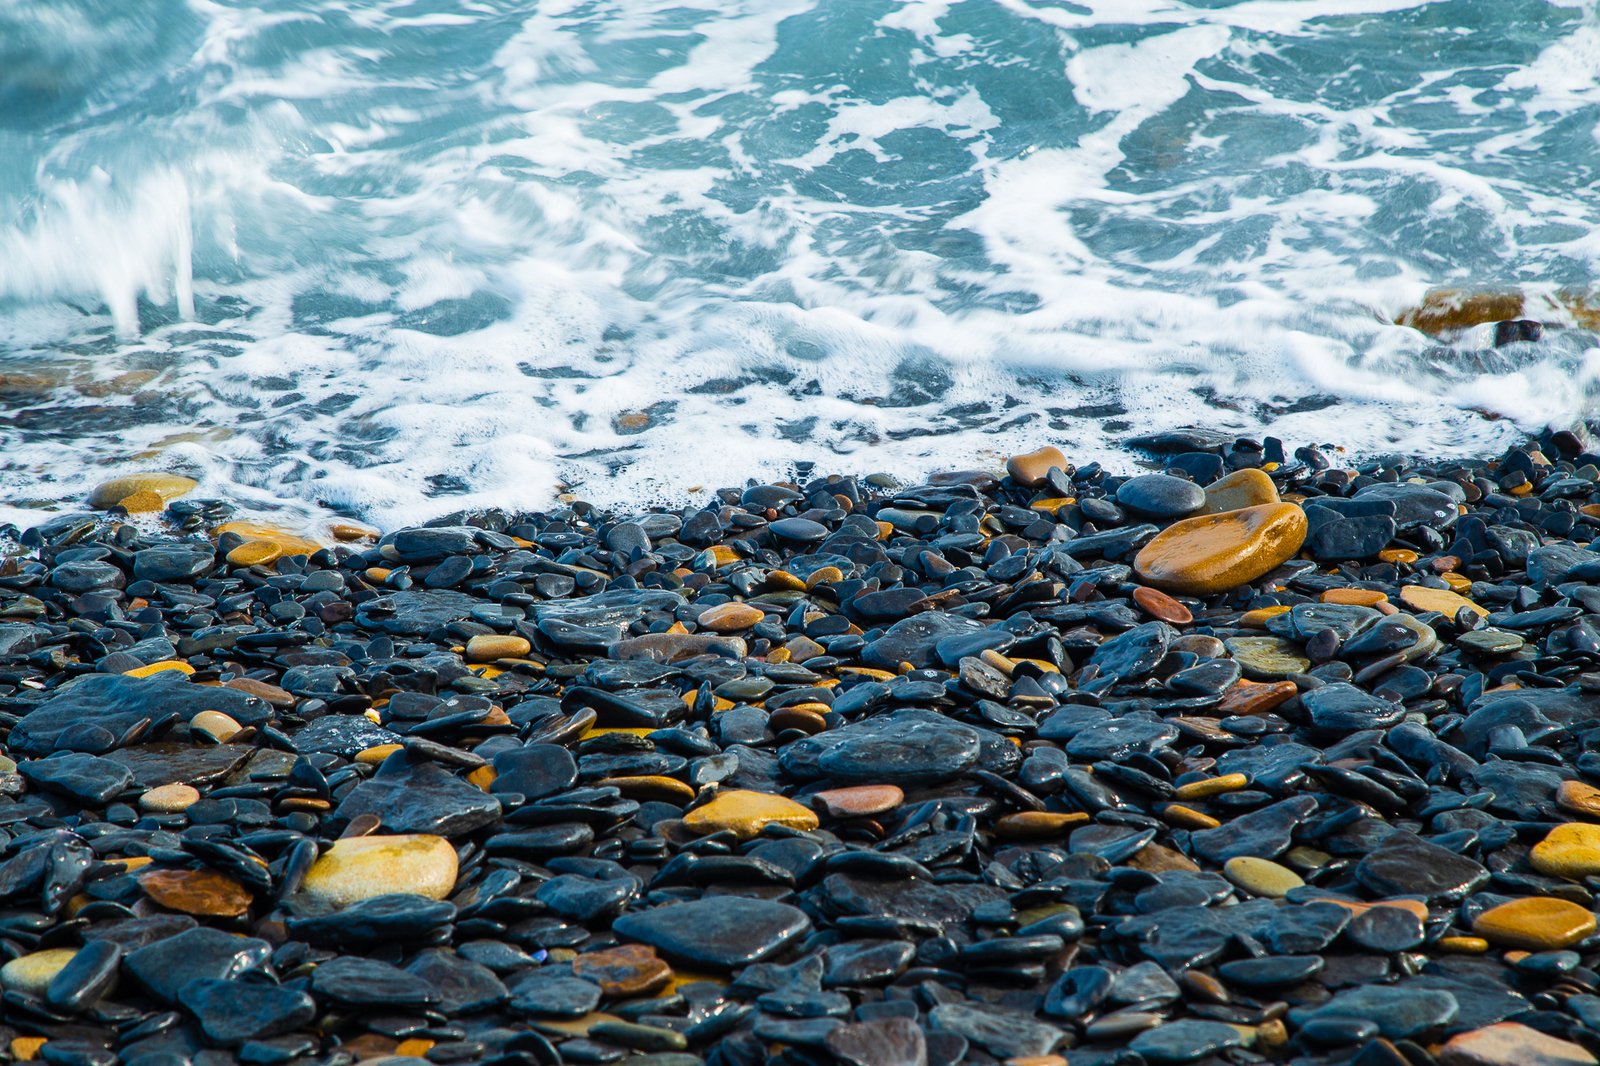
[803,718]
[203,892]
[1571,849]
[1537,923]
[1215,553]
[169,799]
[1240,489]
[861,801]
[166,486]
[745,813]
[729,617]
[217,724]
[33,973]
[360,868]
[487,647]
[1161,496]
[1579,798]
[1159,605]
[1260,877]
[1030,469]
[255,553]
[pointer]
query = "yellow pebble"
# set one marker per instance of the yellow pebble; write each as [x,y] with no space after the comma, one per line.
[374,756]
[26,1048]
[826,576]
[1257,619]
[1571,849]
[1261,877]
[1463,945]
[745,813]
[255,553]
[1211,786]
[1537,923]
[1240,489]
[156,668]
[1187,817]
[1447,603]
[1214,553]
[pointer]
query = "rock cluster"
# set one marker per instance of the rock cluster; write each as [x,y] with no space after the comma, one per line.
[1248,759]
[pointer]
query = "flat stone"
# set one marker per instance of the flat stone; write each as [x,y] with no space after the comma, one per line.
[1386,930]
[859,801]
[904,748]
[1263,834]
[625,970]
[1420,598]
[1536,923]
[1300,930]
[1185,1040]
[86,779]
[1571,849]
[359,982]
[1261,877]
[379,920]
[1406,865]
[488,647]
[232,1012]
[1160,606]
[117,703]
[534,770]
[1579,798]
[1030,469]
[1242,488]
[1213,553]
[1343,709]
[203,892]
[546,995]
[1038,825]
[166,965]
[1135,653]
[1003,1032]
[33,973]
[1267,658]
[884,1042]
[365,867]
[418,796]
[464,986]
[1401,1012]
[729,617]
[1511,1044]
[721,932]
[745,813]
[168,487]
[1161,496]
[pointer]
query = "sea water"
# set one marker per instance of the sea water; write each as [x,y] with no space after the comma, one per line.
[393,259]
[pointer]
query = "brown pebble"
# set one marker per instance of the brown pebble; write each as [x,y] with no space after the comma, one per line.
[202,892]
[1160,606]
[859,801]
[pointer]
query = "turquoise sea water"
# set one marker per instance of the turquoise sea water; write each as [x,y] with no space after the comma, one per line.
[393,259]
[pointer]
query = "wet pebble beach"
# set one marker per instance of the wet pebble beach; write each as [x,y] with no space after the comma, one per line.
[1253,756]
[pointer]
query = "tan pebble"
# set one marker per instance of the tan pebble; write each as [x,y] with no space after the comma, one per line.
[1255,697]
[374,756]
[729,617]
[1578,797]
[1037,825]
[1030,469]
[349,531]
[486,648]
[165,486]
[290,543]
[1215,553]
[651,787]
[1187,817]
[1158,859]
[858,801]
[1238,490]
[1304,858]
[1421,598]
[415,1047]
[745,813]
[26,1048]
[169,799]
[1571,849]
[142,502]
[1463,945]
[1160,606]
[1257,619]
[255,553]
[1037,1060]
[33,973]
[217,724]
[1537,923]
[1355,597]
[261,690]
[358,868]
[828,575]
[783,581]
[1211,786]
[1261,877]
[1512,1044]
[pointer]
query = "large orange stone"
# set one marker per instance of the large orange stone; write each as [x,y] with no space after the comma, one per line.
[166,486]
[1240,489]
[730,617]
[203,892]
[1030,469]
[1571,849]
[745,813]
[1214,553]
[1536,923]
[626,970]
[1579,798]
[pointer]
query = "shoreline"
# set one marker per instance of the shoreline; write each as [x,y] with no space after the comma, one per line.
[1255,759]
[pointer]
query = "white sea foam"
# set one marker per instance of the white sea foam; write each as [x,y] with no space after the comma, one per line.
[394,261]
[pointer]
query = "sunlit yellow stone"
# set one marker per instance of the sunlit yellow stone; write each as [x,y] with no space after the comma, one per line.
[651,787]
[219,725]
[142,502]
[358,868]
[1537,923]
[1257,619]
[745,813]
[374,756]
[291,543]
[169,799]
[1214,553]
[729,617]
[1036,825]
[1261,877]
[1030,469]
[161,667]
[487,647]
[1211,786]
[256,553]
[1447,603]
[1463,945]
[1398,555]
[166,486]
[1240,489]
[1187,817]
[1355,597]
[1579,798]
[1571,849]
[33,973]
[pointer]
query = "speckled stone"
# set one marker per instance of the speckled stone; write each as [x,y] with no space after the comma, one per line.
[364,867]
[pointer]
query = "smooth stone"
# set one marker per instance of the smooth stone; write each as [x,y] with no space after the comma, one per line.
[396,917]
[905,748]
[1135,653]
[866,962]
[1512,1044]
[1414,505]
[534,771]
[1037,825]
[1342,709]
[1339,1032]
[1302,930]
[359,982]
[1185,1040]
[117,703]
[90,975]
[1030,469]
[232,1012]
[1490,641]
[626,970]
[420,797]
[721,932]
[202,892]
[1386,929]
[1571,849]
[1536,923]
[1406,865]
[1214,553]
[86,779]
[1003,1032]
[1420,598]
[1115,741]
[745,813]
[1242,488]
[346,735]
[1262,834]
[1161,496]
[487,647]
[1399,1011]
[415,612]
[1579,798]
[255,553]
[1351,538]
[1261,877]
[584,899]
[859,801]
[360,868]
[1304,621]
[165,966]
[33,973]
[916,640]
[884,1042]
[167,486]
[464,986]
[552,995]
[1267,658]
[729,617]
[171,564]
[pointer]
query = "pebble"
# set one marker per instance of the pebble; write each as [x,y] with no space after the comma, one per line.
[369,866]
[169,799]
[1261,877]
[1236,491]
[167,487]
[1571,850]
[1030,469]
[1512,1044]
[33,973]
[745,814]
[1535,923]
[1212,553]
